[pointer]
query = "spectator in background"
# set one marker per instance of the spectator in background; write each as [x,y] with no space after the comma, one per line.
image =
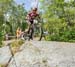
[18,33]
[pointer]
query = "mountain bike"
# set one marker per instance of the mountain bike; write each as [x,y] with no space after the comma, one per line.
[35,31]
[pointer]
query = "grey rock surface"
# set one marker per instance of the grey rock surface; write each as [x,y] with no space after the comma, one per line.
[45,54]
[4,55]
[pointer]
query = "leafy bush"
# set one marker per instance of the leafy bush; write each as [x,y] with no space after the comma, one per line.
[66,35]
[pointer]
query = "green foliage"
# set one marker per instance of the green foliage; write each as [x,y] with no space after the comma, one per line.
[16,45]
[1,37]
[4,7]
[17,18]
[41,0]
[59,19]
[2,66]
[12,16]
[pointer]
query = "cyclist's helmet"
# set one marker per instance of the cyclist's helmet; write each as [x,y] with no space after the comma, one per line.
[34,9]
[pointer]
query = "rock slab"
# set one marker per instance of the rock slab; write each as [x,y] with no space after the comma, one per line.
[45,54]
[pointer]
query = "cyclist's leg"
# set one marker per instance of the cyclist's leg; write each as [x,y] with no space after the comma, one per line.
[29,26]
[28,30]
[31,30]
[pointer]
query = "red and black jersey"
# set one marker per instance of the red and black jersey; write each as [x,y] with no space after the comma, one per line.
[33,15]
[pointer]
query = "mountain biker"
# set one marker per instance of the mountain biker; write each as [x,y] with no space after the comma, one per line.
[30,17]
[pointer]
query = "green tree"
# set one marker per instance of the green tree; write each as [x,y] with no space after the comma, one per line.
[17,18]
[59,19]
[11,17]
[4,6]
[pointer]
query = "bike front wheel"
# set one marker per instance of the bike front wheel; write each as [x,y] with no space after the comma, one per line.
[38,32]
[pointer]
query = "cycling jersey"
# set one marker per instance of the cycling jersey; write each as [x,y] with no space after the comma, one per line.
[32,16]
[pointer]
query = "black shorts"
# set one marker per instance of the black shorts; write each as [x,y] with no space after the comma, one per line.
[31,21]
